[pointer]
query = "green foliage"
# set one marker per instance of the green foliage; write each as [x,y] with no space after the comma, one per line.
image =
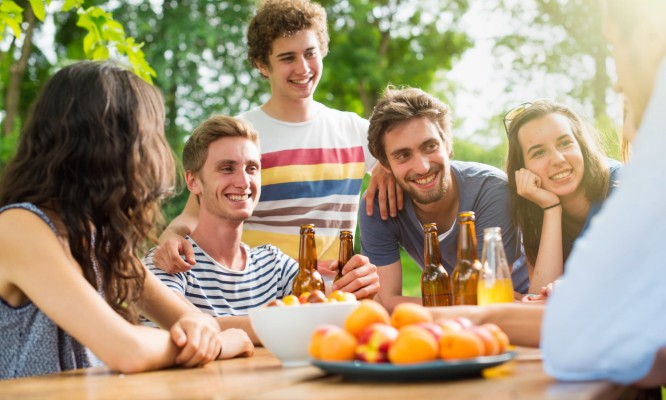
[397,42]
[11,15]
[105,32]
[563,38]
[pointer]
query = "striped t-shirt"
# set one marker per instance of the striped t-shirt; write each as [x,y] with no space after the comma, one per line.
[219,291]
[311,173]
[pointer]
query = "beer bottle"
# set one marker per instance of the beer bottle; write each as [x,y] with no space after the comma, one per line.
[465,276]
[346,251]
[435,282]
[308,278]
[495,279]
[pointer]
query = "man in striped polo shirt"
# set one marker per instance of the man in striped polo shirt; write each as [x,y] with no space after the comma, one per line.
[222,170]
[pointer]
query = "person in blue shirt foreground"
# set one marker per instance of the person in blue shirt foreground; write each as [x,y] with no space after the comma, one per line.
[604,320]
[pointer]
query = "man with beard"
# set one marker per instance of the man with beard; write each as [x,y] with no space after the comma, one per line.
[410,135]
[222,163]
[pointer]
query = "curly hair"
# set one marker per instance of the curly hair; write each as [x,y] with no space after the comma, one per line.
[400,105]
[94,155]
[283,18]
[528,216]
[212,129]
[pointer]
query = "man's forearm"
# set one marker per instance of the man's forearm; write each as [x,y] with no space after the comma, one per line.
[240,322]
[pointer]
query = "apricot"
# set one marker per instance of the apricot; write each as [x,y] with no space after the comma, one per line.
[337,345]
[490,343]
[290,300]
[414,344]
[374,342]
[449,325]
[460,344]
[500,335]
[316,339]
[367,313]
[408,314]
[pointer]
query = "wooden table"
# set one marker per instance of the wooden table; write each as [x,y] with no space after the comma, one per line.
[262,377]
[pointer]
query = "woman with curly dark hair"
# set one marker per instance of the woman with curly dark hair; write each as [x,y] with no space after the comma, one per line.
[558,179]
[77,203]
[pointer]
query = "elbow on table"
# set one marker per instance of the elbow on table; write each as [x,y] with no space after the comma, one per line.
[131,359]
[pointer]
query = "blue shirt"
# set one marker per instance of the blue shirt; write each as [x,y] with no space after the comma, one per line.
[482,189]
[606,319]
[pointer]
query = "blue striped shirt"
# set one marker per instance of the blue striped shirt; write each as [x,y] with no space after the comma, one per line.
[220,291]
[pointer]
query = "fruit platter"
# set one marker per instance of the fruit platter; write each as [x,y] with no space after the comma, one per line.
[406,345]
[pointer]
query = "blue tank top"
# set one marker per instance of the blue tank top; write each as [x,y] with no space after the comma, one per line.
[32,344]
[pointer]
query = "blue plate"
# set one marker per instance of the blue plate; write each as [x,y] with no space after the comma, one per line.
[357,370]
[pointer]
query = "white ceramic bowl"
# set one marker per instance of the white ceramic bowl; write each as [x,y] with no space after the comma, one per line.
[286,330]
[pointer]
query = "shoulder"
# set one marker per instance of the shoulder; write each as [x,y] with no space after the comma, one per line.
[476,177]
[347,117]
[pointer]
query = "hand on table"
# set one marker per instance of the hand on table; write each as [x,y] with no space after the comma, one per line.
[546,291]
[235,343]
[197,335]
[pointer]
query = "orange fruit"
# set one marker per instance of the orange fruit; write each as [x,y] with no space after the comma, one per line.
[414,344]
[462,344]
[500,335]
[490,343]
[316,339]
[367,313]
[408,314]
[337,345]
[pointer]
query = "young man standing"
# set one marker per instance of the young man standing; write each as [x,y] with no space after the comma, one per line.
[605,320]
[222,169]
[410,135]
[314,158]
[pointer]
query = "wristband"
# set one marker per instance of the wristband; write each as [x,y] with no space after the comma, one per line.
[549,207]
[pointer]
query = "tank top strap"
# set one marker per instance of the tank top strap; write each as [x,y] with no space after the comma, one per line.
[35,210]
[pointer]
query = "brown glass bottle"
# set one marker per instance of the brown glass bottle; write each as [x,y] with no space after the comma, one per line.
[308,278]
[435,282]
[465,276]
[346,251]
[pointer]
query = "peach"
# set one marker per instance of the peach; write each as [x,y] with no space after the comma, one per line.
[338,345]
[500,335]
[374,342]
[409,313]
[449,325]
[490,343]
[290,300]
[303,298]
[414,344]
[367,313]
[316,339]
[433,328]
[461,344]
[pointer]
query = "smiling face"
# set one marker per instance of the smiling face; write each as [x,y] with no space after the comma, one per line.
[295,66]
[228,185]
[418,158]
[550,150]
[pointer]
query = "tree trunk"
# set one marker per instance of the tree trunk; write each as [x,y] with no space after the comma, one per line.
[16,73]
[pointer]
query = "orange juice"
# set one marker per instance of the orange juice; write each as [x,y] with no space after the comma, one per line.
[496,291]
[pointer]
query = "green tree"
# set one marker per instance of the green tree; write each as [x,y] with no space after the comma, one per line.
[197,49]
[23,67]
[374,43]
[564,38]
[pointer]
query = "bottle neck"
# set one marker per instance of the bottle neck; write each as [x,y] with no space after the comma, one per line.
[307,252]
[431,251]
[467,241]
[346,250]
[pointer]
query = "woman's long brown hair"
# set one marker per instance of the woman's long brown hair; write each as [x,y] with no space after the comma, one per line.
[93,152]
